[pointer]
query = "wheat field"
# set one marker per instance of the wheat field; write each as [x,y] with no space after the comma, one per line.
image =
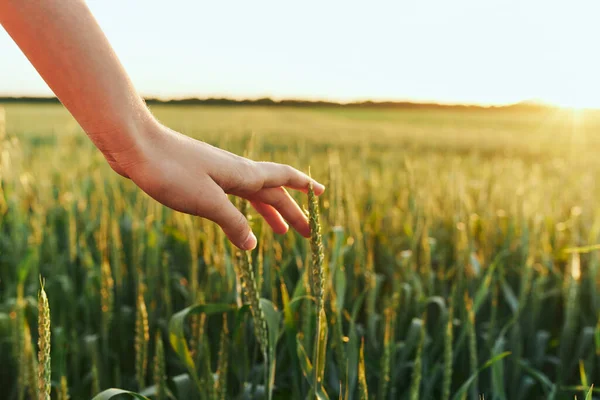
[453,257]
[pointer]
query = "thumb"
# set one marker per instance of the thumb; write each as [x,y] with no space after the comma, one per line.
[234,224]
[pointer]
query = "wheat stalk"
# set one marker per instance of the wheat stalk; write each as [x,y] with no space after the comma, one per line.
[106,297]
[223,364]
[472,344]
[95,373]
[250,290]
[31,368]
[384,375]
[19,343]
[363,391]
[142,337]
[63,390]
[447,380]
[317,278]
[415,385]
[44,369]
[159,368]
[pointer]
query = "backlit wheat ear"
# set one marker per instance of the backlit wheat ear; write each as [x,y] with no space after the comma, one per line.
[44,372]
[63,390]
[142,336]
[250,290]
[363,391]
[106,296]
[317,281]
[317,277]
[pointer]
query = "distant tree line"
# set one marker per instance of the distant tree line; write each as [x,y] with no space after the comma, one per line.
[268,102]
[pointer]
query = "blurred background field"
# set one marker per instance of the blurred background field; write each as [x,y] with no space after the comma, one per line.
[448,234]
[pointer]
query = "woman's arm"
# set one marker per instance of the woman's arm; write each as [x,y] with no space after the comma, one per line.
[65,44]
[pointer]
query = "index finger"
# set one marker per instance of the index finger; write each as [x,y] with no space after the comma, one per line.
[276,175]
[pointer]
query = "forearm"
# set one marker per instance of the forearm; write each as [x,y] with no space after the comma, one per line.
[65,44]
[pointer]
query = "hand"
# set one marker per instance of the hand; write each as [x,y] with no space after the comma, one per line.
[194,177]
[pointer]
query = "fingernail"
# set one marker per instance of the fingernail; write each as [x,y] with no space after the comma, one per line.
[250,242]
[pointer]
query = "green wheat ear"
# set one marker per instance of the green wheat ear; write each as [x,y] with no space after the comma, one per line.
[106,296]
[159,368]
[44,371]
[63,390]
[317,283]
[250,290]
[142,336]
[363,391]
[317,277]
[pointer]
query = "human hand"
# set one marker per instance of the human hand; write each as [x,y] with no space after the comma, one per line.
[194,177]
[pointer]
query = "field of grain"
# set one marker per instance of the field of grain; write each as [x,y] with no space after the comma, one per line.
[458,248]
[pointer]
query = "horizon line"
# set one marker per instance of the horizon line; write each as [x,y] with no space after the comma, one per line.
[266,101]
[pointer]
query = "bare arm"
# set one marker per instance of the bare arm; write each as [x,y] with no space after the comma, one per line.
[66,45]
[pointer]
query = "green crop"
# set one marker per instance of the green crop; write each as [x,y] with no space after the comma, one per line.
[453,255]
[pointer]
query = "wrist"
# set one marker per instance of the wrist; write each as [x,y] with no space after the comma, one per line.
[129,144]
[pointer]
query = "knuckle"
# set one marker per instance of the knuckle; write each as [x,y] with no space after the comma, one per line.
[239,225]
[279,201]
[249,178]
[294,176]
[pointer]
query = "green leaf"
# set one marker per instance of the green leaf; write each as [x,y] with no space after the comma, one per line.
[290,336]
[358,304]
[177,335]
[110,393]
[538,375]
[498,370]
[183,386]
[307,369]
[465,387]
[484,289]
[588,396]
[25,265]
[352,354]
[582,374]
[412,339]
[273,318]
[5,324]
[305,363]
[510,297]
[340,284]
[321,350]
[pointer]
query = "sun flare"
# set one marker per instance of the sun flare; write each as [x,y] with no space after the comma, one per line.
[577,103]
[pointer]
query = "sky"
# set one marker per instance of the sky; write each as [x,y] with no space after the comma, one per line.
[449,51]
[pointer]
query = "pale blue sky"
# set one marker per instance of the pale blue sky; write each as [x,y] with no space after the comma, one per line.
[447,51]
